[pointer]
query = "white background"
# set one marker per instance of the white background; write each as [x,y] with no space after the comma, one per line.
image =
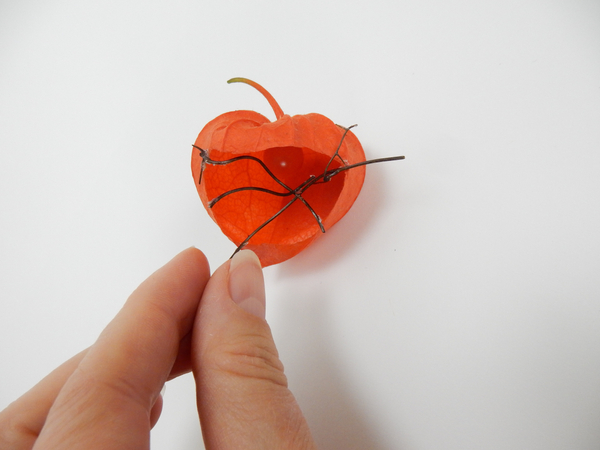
[457,305]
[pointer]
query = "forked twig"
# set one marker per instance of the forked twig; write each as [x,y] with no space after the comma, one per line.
[296,193]
[337,150]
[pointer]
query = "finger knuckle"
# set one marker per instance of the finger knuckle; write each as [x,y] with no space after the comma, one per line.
[250,356]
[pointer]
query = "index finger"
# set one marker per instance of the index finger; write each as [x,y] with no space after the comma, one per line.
[106,402]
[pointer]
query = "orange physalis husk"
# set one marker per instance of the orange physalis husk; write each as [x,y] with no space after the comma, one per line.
[273,187]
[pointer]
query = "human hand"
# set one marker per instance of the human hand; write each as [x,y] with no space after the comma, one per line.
[179,319]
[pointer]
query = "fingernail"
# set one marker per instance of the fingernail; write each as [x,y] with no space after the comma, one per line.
[246,282]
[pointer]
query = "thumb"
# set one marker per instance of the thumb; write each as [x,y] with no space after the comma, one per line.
[242,394]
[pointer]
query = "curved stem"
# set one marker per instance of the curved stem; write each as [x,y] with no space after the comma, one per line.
[276,108]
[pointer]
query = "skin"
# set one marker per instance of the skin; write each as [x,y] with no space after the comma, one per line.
[179,319]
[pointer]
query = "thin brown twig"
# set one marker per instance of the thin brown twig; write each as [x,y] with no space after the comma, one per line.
[297,193]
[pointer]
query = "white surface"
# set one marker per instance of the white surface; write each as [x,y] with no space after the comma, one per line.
[457,306]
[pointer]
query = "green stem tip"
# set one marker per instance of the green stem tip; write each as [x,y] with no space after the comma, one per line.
[276,108]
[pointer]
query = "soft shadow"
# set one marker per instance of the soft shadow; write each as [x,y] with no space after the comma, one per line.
[335,418]
[347,232]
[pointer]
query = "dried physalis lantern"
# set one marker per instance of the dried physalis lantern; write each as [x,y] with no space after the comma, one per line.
[273,187]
